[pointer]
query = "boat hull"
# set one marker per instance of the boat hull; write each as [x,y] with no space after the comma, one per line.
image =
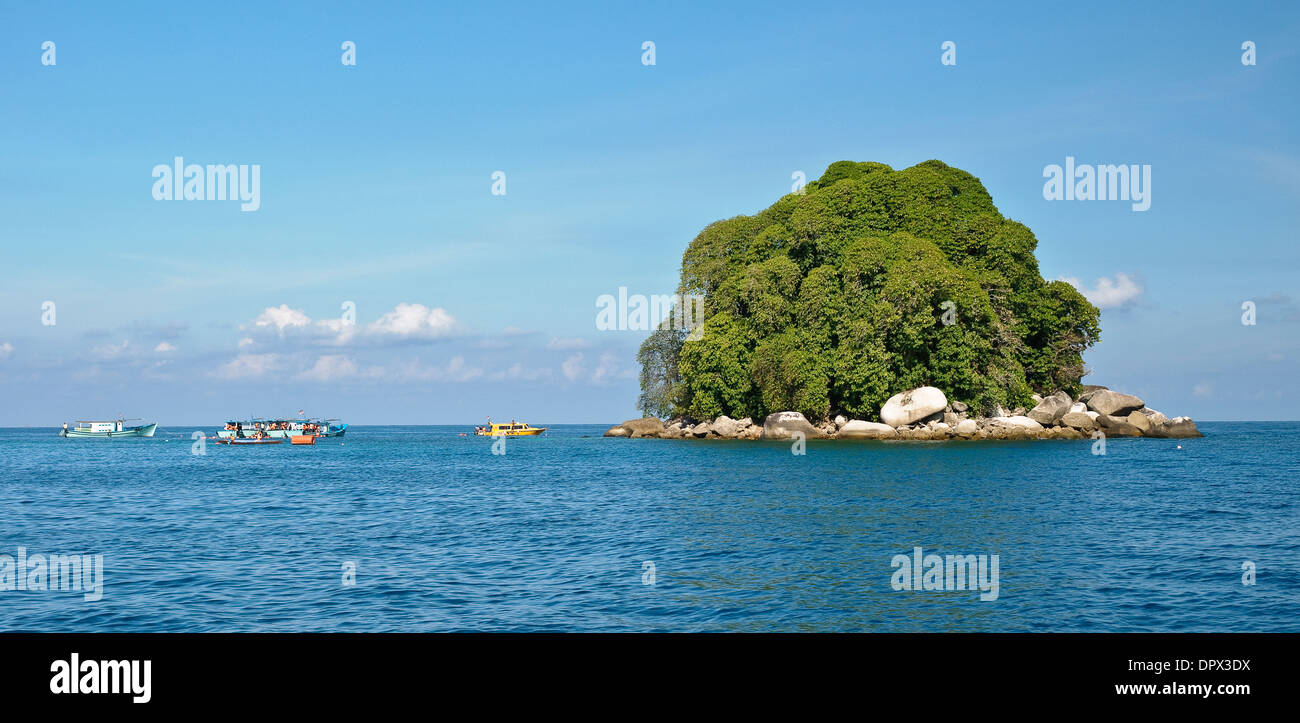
[144,430]
[530,432]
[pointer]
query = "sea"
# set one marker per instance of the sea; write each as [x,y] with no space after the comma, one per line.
[425,528]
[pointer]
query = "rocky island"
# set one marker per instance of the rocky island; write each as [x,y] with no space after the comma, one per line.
[818,309]
[925,414]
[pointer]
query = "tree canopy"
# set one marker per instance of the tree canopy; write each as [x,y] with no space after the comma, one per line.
[870,282]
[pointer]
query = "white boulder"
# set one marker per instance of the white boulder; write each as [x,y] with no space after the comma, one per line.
[912,405]
[783,425]
[861,429]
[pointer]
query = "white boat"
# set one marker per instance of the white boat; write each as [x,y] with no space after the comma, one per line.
[107,430]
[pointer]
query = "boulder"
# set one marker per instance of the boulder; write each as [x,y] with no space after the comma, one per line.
[860,429]
[644,427]
[1078,407]
[1105,401]
[783,425]
[1117,426]
[1139,420]
[1050,410]
[1156,418]
[1063,433]
[744,423]
[966,428]
[1020,422]
[1010,427]
[912,405]
[840,420]
[951,418]
[1178,427]
[960,407]
[916,433]
[725,426]
[1079,420]
[827,429]
[1089,390]
[701,430]
[1013,427]
[617,430]
[672,431]
[753,431]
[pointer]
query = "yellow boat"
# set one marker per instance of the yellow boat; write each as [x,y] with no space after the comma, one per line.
[513,429]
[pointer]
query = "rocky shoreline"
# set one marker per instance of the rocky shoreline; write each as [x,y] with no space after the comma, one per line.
[924,413]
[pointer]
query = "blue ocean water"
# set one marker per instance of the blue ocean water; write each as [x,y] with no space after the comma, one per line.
[555,534]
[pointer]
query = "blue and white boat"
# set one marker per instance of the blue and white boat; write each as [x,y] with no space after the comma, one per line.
[107,430]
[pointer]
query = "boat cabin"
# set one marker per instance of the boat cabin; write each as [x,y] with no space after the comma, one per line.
[98,427]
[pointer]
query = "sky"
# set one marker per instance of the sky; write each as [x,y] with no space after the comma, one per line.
[376,189]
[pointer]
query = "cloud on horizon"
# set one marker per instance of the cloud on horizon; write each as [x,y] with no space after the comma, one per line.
[1121,292]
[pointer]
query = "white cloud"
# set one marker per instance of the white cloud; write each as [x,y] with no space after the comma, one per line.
[609,369]
[329,368]
[572,367]
[6,349]
[1122,291]
[406,321]
[416,320]
[164,347]
[247,366]
[282,317]
[558,344]
[342,331]
[110,351]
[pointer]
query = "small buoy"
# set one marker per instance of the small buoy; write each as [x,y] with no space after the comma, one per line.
[1180,446]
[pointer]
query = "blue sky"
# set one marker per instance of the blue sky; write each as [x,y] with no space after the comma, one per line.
[376,189]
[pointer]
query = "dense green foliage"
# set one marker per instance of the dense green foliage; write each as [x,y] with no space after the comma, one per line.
[834,299]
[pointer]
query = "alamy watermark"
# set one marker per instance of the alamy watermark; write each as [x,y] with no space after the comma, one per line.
[639,312]
[39,573]
[213,182]
[1083,182]
[946,573]
[95,677]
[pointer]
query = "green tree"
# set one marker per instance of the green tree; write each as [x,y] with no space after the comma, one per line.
[660,371]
